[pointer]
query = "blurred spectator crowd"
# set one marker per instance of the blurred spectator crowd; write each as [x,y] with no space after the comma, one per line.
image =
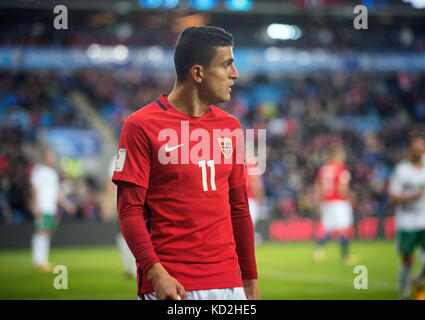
[155,30]
[370,114]
[30,101]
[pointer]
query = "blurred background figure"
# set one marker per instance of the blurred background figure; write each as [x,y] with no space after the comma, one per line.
[407,189]
[256,197]
[336,211]
[46,194]
[109,211]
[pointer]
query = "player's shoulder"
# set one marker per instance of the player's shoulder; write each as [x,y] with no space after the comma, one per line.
[402,165]
[40,169]
[144,115]
[225,115]
[34,169]
[402,168]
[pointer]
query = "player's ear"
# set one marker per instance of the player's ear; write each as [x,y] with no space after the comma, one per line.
[197,73]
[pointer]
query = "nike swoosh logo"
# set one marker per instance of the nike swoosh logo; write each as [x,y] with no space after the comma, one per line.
[168,149]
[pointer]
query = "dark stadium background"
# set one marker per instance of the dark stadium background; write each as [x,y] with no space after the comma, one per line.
[73,89]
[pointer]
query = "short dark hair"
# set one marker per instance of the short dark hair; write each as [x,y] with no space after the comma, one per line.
[197,45]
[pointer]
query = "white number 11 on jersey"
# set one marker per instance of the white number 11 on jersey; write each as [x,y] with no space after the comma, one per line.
[210,163]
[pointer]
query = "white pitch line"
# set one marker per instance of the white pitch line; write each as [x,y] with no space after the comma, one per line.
[279,275]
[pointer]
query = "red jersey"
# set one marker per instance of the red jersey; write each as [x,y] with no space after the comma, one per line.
[187,208]
[330,175]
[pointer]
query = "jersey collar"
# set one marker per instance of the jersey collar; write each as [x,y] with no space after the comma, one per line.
[166,106]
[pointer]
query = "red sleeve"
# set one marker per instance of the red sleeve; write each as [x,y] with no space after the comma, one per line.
[130,203]
[133,162]
[243,231]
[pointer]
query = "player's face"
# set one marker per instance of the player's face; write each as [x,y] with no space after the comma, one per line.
[49,158]
[219,76]
[417,149]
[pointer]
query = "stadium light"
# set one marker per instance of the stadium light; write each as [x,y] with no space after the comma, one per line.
[120,52]
[169,4]
[283,31]
[239,5]
[203,4]
[272,54]
[100,53]
[152,4]
[417,4]
[94,51]
[155,54]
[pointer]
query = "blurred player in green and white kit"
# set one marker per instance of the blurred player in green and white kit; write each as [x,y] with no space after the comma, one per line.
[407,188]
[46,195]
[109,209]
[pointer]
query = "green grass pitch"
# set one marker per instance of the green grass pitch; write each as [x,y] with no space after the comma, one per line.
[286,271]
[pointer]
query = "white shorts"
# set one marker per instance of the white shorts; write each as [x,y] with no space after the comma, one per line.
[336,215]
[210,294]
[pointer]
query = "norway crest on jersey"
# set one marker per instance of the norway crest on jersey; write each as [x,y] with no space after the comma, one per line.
[225,146]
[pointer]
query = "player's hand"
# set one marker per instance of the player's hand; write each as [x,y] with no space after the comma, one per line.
[166,287]
[250,287]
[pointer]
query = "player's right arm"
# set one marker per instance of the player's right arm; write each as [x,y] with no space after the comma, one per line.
[165,286]
[130,203]
[131,175]
[397,194]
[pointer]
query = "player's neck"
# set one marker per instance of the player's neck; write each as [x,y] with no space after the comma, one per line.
[187,101]
[416,163]
[337,161]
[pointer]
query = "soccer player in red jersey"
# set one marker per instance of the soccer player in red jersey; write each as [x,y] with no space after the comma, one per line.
[182,201]
[332,186]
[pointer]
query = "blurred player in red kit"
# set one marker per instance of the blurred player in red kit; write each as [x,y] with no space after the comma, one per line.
[332,187]
[182,201]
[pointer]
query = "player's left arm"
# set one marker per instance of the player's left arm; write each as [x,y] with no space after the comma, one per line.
[243,232]
[243,229]
[344,183]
